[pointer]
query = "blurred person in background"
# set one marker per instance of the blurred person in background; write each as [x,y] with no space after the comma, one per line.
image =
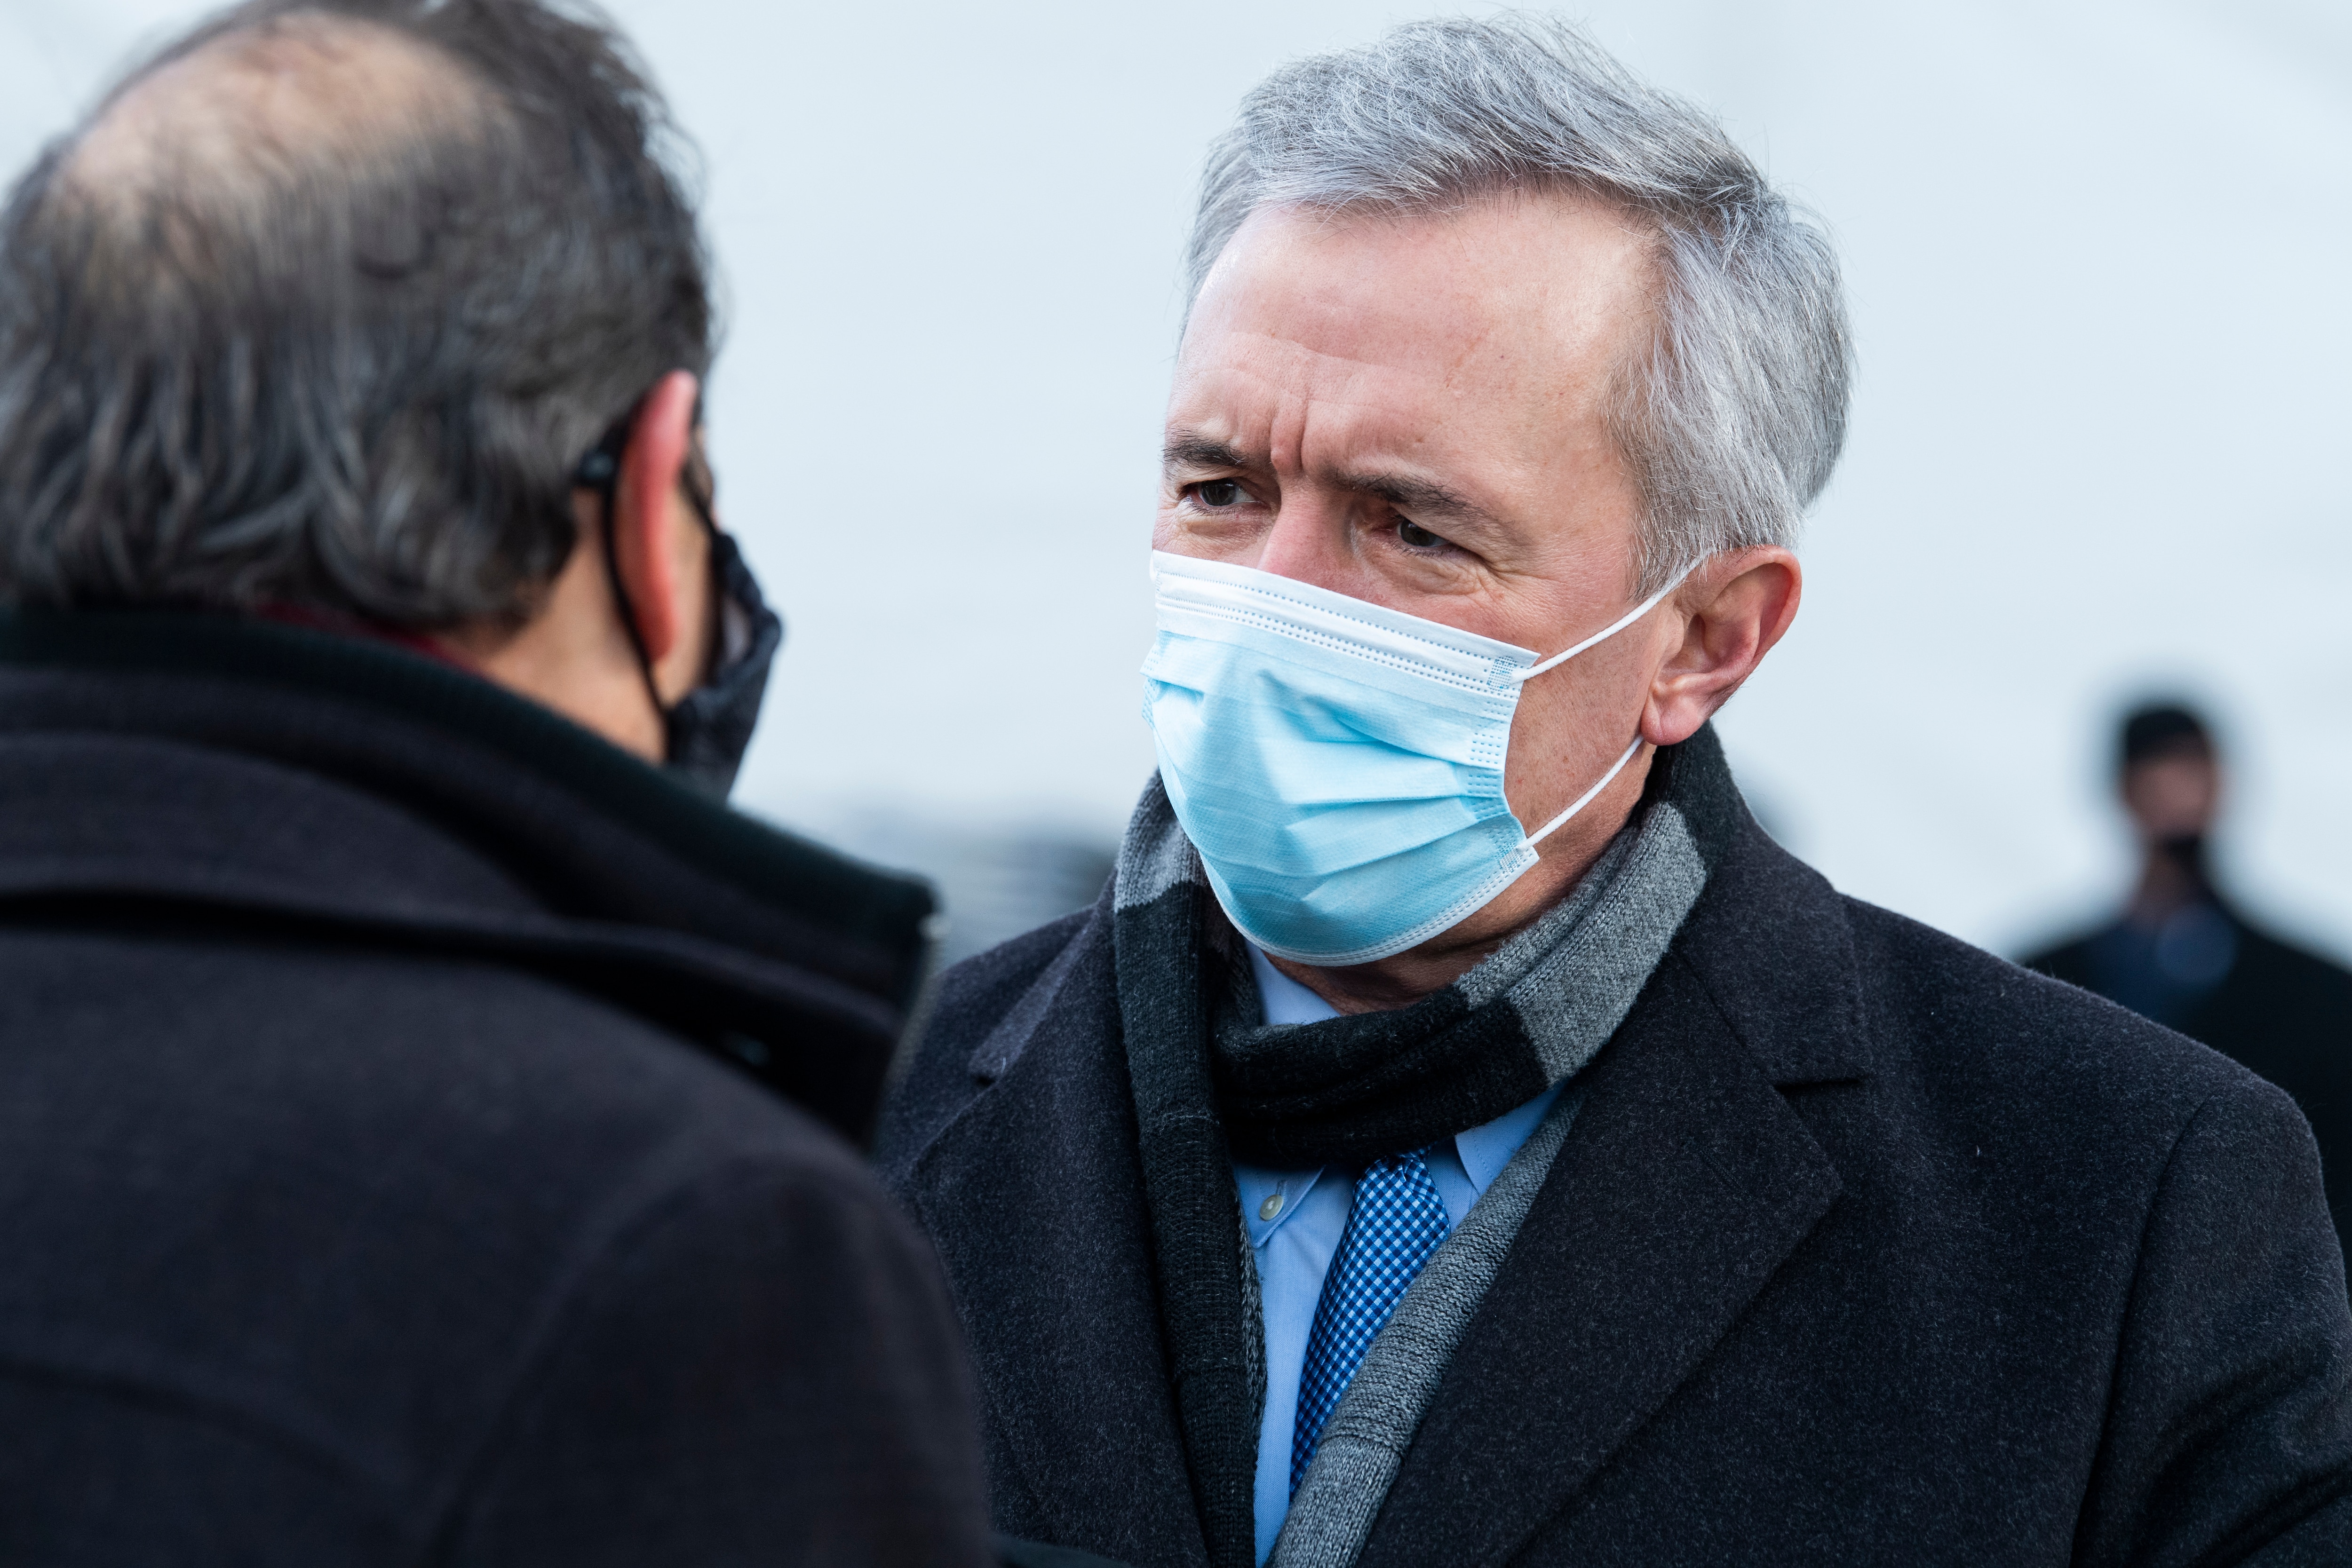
[1459,1134]
[2183,954]
[384,983]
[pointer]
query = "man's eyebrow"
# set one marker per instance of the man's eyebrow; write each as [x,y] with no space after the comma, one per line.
[1414,497]
[1199,452]
[1420,497]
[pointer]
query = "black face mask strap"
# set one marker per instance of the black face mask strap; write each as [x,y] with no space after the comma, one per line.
[601,471]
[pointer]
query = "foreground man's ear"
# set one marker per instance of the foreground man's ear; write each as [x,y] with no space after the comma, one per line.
[576,653]
[1734,609]
[660,550]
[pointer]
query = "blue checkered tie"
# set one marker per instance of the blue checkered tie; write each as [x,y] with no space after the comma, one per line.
[1396,1223]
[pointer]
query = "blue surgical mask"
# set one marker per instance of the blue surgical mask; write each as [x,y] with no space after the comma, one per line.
[1338,765]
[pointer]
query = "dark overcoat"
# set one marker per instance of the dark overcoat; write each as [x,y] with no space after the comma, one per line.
[1865,1248]
[384,1176]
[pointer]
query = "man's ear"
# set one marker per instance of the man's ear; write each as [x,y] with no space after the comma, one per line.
[1734,607]
[647,514]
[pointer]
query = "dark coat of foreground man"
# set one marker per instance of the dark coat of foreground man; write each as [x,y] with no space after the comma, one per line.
[1866,1247]
[381,1177]
[428,1115]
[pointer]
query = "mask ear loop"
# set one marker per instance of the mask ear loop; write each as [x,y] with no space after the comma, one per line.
[1613,627]
[1617,766]
[1540,834]
[599,471]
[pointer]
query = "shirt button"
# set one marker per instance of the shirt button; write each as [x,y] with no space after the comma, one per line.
[1270,1208]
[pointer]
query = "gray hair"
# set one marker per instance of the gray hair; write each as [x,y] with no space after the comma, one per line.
[339,347]
[1732,415]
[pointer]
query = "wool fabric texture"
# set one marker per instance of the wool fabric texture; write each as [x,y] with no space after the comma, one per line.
[1209,1084]
[1363,1443]
[411,1136]
[1864,1246]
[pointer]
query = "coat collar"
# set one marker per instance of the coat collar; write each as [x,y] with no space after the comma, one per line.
[1771,942]
[1047,1251]
[1686,1183]
[348,787]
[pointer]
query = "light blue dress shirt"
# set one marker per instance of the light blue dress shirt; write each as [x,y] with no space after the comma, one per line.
[1295,1218]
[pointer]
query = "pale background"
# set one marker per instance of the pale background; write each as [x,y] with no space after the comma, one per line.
[2096,255]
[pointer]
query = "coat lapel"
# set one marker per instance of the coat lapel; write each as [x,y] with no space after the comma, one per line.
[1684,1184]
[1033,1195]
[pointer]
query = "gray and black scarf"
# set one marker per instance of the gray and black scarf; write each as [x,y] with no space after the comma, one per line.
[1212,1083]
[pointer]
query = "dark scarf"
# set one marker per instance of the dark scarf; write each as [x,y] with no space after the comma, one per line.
[1212,1083]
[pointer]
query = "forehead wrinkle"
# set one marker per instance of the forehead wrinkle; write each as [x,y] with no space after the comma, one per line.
[1322,366]
[1287,401]
[1366,454]
[1290,372]
[1549,318]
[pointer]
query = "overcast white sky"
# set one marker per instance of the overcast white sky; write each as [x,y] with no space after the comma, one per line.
[2096,253]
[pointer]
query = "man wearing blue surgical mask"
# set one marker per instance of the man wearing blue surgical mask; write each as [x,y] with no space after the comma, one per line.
[1459,1134]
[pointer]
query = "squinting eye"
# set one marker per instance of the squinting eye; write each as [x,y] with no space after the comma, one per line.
[1218,494]
[1413,534]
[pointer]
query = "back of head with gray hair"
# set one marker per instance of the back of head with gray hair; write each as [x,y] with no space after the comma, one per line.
[321,307]
[1732,414]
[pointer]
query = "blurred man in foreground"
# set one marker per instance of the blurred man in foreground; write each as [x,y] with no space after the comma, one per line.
[2181,954]
[1459,1135]
[383,981]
